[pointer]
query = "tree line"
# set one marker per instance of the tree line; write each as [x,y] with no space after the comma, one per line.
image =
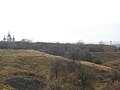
[77,51]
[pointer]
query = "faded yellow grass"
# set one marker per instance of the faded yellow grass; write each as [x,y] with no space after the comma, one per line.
[30,63]
[12,61]
[96,66]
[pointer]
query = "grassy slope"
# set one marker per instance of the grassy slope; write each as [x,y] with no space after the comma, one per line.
[110,59]
[12,61]
[25,63]
[101,68]
[107,56]
[31,63]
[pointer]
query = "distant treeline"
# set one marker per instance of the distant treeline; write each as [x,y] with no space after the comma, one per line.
[56,47]
[73,51]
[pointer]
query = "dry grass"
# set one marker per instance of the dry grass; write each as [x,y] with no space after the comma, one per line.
[101,68]
[24,63]
[114,64]
[36,64]
[107,56]
[112,86]
[110,59]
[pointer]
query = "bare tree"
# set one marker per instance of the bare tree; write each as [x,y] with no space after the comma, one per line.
[57,76]
[84,78]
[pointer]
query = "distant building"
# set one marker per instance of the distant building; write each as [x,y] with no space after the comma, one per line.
[9,38]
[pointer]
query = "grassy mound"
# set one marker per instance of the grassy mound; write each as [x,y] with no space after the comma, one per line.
[23,63]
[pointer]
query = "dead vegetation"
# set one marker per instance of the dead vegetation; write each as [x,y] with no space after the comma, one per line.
[33,65]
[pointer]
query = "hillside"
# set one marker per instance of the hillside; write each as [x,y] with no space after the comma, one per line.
[107,56]
[31,67]
[101,68]
[22,66]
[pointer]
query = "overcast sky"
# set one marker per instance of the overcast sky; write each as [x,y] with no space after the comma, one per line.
[61,20]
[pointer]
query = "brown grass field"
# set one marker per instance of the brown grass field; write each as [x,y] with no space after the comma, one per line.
[36,65]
